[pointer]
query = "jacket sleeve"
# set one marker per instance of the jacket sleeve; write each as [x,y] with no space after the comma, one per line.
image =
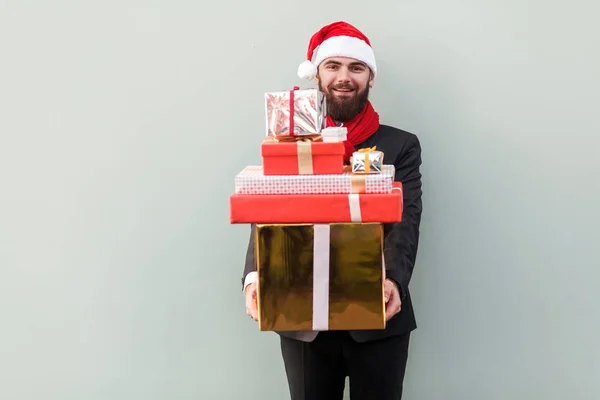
[250,264]
[402,238]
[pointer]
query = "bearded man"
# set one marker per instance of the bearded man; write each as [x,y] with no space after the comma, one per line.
[341,61]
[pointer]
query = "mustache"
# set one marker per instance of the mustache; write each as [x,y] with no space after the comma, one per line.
[344,86]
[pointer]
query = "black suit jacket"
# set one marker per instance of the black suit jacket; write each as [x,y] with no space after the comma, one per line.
[403,150]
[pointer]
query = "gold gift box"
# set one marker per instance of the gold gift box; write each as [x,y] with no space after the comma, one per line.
[320,276]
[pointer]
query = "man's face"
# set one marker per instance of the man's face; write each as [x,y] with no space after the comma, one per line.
[346,83]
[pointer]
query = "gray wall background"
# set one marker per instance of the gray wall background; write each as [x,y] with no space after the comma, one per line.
[124,123]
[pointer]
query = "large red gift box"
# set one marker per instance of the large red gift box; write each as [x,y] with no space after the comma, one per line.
[302,157]
[316,208]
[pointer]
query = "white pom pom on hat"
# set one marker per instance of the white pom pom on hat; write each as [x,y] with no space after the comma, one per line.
[307,70]
[338,39]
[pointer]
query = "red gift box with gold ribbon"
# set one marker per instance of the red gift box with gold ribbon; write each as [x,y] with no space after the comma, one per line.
[294,155]
[317,208]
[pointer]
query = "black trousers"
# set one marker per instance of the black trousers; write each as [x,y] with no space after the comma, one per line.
[318,370]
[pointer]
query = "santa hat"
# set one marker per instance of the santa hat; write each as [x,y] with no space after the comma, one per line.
[339,39]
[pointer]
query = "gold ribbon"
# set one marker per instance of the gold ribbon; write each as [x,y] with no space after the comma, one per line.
[358,182]
[296,138]
[367,150]
[304,150]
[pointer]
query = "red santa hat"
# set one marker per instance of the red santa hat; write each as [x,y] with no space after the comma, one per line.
[339,39]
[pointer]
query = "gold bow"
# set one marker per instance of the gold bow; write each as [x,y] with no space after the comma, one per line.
[298,138]
[367,150]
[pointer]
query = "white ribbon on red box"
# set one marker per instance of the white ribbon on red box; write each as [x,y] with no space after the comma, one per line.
[354,203]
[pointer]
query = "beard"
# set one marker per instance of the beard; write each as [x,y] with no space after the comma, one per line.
[345,108]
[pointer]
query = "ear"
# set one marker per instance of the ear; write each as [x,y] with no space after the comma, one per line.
[371,79]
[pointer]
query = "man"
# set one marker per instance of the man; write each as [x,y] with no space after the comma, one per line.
[342,62]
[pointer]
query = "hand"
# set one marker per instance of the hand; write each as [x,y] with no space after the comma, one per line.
[251,307]
[393,304]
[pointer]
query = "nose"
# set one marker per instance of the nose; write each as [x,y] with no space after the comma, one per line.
[343,75]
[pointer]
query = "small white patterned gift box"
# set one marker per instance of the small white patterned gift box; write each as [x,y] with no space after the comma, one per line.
[334,134]
[251,180]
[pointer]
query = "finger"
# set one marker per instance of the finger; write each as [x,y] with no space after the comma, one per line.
[387,292]
[251,309]
[390,310]
[392,307]
[254,313]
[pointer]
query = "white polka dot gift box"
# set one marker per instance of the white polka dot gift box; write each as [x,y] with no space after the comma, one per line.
[252,181]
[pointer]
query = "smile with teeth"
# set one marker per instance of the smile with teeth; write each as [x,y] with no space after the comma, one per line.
[344,90]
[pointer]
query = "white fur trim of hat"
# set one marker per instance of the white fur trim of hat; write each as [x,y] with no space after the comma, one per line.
[339,39]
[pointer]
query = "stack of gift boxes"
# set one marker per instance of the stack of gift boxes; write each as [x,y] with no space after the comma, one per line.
[317,221]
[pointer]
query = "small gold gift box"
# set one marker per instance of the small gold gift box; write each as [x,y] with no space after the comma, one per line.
[320,276]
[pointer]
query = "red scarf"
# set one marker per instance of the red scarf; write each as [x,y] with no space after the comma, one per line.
[360,128]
